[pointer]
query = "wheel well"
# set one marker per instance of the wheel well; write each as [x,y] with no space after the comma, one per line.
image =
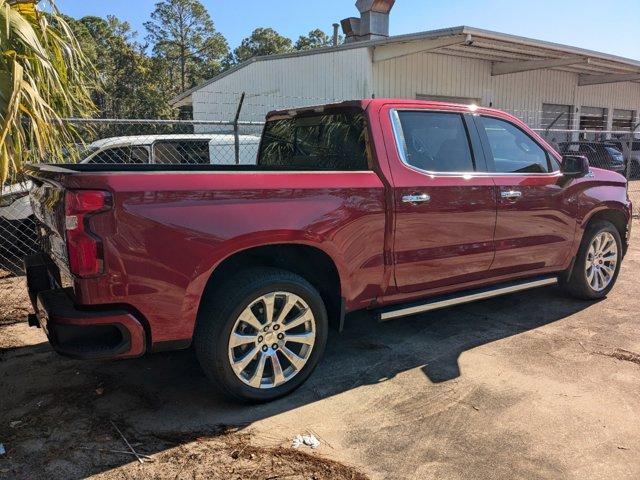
[618,219]
[311,263]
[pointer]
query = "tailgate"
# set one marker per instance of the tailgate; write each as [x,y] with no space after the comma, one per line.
[47,201]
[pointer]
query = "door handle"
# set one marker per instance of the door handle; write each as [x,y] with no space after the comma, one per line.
[417,198]
[511,194]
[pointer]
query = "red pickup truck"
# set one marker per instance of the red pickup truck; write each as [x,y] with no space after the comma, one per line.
[398,206]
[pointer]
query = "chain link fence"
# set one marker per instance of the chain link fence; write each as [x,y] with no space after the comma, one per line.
[237,142]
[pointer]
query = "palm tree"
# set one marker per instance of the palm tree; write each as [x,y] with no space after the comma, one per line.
[44,77]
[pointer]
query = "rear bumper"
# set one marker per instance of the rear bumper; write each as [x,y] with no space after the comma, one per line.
[75,331]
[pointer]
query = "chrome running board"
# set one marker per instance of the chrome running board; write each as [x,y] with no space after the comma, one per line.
[465,297]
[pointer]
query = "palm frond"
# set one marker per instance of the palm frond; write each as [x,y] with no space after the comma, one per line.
[44,77]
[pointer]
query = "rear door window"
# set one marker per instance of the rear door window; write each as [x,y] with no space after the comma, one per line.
[332,141]
[513,151]
[182,152]
[434,141]
[586,149]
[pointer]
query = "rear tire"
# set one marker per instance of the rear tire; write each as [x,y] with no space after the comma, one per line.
[267,314]
[597,264]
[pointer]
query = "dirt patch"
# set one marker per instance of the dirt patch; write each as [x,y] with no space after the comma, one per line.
[232,455]
[14,308]
[14,301]
[224,452]
[62,429]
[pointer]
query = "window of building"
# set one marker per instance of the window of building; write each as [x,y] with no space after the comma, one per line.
[316,142]
[556,118]
[593,119]
[434,141]
[512,149]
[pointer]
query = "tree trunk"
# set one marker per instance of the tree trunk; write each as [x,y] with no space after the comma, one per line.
[183,64]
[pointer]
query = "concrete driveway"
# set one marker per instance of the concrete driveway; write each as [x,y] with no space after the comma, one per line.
[533,385]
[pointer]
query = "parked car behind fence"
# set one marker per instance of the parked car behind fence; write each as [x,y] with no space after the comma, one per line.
[600,154]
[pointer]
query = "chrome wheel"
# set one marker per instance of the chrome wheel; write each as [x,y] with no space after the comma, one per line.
[272,340]
[602,258]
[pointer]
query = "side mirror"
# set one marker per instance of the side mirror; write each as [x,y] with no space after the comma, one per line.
[574,166]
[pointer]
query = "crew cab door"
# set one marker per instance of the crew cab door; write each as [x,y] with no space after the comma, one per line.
[444,201]
[536,218]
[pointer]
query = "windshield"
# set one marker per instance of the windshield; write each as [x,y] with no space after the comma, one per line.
[613,152]
[77,153]
[72,154]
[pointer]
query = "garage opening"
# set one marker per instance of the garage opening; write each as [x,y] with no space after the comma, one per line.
[622,120]
[592,118]
[556,117]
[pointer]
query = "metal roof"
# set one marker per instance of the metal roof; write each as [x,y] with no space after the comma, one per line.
[500,48]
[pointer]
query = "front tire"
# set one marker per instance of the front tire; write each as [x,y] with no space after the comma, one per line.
[261,334]
[598,262]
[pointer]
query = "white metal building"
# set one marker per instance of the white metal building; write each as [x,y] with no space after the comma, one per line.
[535,80]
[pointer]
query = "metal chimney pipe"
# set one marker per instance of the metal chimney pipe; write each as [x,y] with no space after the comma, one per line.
[374,18]
[336,34]
[351,29]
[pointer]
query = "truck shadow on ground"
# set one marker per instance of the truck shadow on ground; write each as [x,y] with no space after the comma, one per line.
[65,404]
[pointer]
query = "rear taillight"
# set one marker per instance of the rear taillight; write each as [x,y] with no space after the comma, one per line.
[83,246]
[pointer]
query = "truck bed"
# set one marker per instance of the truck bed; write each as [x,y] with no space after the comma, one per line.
[69,168]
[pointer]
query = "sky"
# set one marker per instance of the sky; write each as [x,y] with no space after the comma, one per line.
[610,27]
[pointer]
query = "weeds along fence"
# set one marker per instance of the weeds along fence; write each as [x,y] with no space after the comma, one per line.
[236,142]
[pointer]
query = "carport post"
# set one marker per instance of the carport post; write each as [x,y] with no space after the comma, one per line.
[627,154]
[236,132]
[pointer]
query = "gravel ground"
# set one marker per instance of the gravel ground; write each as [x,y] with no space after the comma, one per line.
[533,385]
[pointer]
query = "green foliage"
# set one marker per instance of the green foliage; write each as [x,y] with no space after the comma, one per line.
[263,41]
[314,39]
[53,66]
[185,39]
[133,84]
[44,77]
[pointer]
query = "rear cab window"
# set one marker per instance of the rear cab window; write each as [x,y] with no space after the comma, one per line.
[433,141]
[333,140]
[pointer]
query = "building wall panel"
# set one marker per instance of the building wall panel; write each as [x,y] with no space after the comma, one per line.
[287,82]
